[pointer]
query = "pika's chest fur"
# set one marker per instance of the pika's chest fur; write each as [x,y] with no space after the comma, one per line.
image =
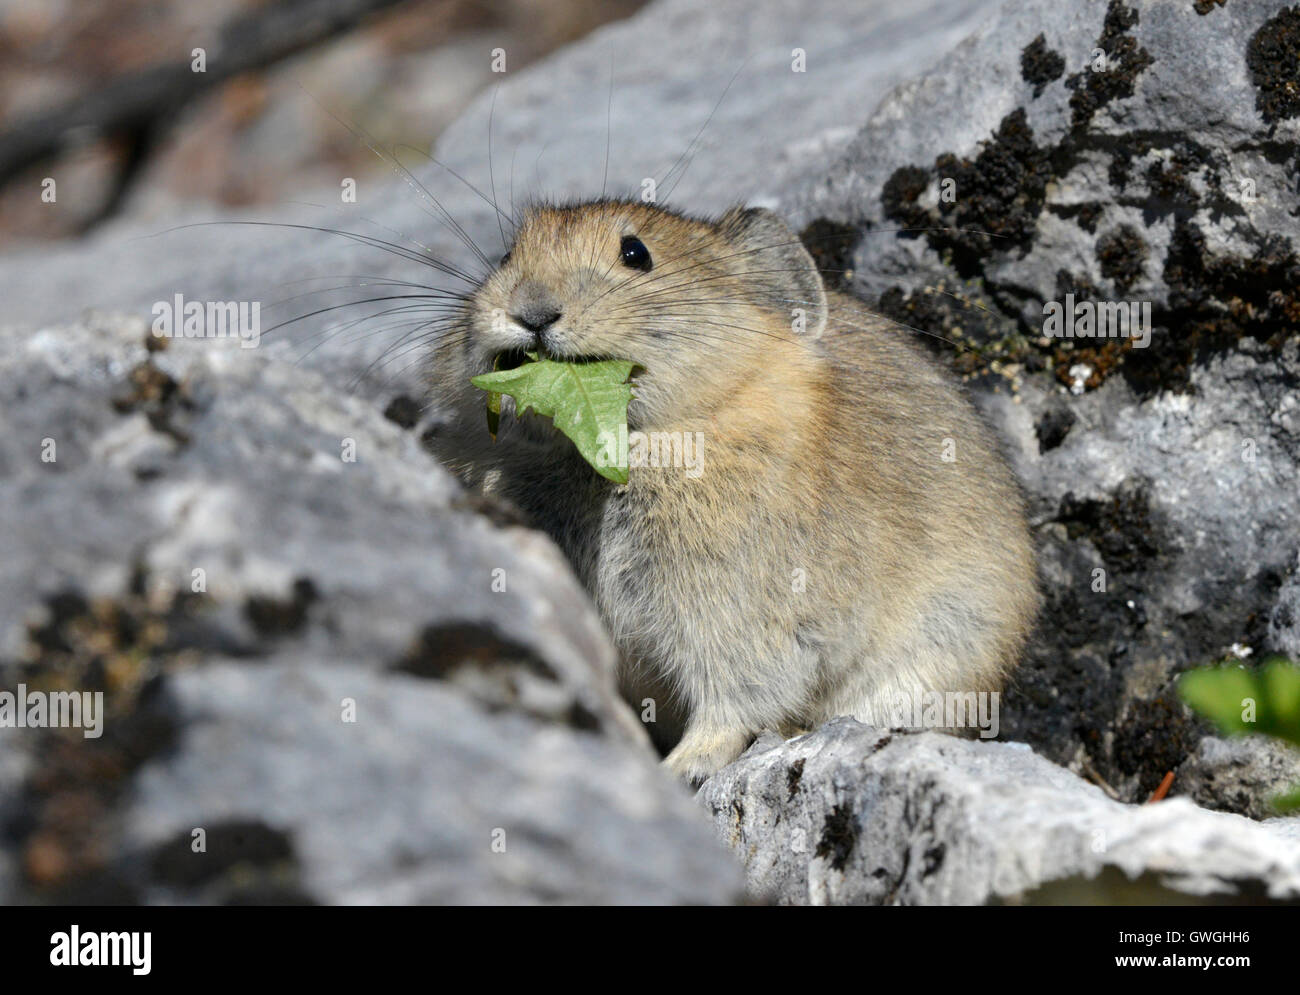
[676,562]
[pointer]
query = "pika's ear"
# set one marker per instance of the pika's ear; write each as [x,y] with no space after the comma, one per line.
[768,254]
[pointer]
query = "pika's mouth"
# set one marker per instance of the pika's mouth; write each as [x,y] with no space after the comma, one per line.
[511,359]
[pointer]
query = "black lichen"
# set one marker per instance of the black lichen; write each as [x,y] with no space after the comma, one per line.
[442,649]
[899,197]
[1176,166]
[165,403]
[271,616]
[957,320]
[1053,427]
[831,245]
[1123,60]
[62,824]
[242,862]
[1120,169]
[500,673]
[792,778]
[1169,183]
[226,845]
[1154,737]
[1273,58]
[932,859]
[1122,255]
[1040,65]
[1214,302]
[1001,191]
[403,410]
[1122,528]
[996,197]
[1085,214]
[1101,356]
[839,836]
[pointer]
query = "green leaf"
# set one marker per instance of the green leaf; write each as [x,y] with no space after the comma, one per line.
[1221,695]
[1240,701]
[1287,802]
[1280,686]
[587,401]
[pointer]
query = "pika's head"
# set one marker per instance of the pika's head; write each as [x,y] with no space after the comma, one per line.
[693,303]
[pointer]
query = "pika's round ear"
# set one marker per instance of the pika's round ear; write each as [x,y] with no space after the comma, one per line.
[769,255]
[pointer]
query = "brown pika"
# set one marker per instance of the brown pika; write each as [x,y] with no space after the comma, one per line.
[849,536]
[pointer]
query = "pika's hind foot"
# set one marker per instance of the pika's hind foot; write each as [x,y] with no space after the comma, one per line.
[703,752]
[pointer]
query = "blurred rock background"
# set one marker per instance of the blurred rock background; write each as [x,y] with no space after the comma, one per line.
[402,70]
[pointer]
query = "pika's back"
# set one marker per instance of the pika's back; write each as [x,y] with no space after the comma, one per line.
[916,458]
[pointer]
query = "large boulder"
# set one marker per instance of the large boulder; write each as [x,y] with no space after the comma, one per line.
[329,674]
[850,814]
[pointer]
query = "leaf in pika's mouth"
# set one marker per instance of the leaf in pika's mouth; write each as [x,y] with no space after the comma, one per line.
[587,401]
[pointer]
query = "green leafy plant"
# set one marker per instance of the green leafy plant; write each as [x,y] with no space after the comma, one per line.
[1239,701]
[587,401]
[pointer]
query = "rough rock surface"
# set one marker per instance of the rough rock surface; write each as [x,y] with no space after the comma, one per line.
[355,682]
[1239,775]
[851,814]
[410,804]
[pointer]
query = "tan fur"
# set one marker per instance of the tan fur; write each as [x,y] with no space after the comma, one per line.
[823,454]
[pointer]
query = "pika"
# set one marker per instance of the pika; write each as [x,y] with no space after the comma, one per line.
[851,534]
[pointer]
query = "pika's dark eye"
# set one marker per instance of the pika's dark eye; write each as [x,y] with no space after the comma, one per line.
[504,259]
[635,254]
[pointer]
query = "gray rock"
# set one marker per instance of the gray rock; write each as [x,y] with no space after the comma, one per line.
[1190,560]
[707,95]
[1134,142]
[854,815]
[427,797]
[1238,775]
[483,681]
[1284,619]
[1288,826]
[240,467]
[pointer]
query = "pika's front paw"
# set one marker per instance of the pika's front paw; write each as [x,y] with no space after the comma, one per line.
[703,753]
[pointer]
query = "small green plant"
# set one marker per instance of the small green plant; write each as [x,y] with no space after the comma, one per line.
[1238,701]
[587,402]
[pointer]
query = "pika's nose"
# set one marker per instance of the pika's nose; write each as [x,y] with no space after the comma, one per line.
[532,306]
